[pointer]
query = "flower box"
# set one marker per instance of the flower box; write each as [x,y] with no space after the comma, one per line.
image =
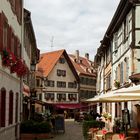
[15,64]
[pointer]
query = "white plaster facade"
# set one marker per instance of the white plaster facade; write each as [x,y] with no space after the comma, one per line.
[68,78]
[123,34]
[10,82]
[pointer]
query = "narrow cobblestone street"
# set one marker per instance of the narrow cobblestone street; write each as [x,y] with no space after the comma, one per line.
[73,131]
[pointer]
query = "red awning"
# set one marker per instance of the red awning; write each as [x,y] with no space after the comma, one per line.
[69,106]
[26,90]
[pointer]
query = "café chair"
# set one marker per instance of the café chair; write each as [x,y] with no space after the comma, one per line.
[108,135]
[116,137]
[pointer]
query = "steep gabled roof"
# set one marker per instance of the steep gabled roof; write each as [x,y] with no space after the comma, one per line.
[49,59]
[83,66]
[119,15]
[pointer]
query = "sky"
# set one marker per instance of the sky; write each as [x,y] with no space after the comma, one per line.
[70,24]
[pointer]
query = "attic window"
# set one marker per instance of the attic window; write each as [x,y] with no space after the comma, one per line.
[62,60]
[75,60]
[86,69]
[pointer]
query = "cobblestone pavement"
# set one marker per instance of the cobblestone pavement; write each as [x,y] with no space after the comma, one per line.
[73,131]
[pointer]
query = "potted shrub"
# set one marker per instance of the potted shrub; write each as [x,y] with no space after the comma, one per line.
[92,124]
[35,130]
[116,83]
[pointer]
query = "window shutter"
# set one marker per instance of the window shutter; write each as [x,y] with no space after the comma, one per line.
[9,37]
[1,31]
[127,68]
[3,108]
[10,107]
[15,45]
[121,73]
[5,32]
[18,49]
[12,42]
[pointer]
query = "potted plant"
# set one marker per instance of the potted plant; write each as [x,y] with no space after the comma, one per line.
[35,130]
[117,125]
[116,83]
[107,116]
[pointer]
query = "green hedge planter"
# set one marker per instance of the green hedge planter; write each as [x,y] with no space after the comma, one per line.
[91,124]
[32,130]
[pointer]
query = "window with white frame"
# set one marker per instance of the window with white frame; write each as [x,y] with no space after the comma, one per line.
[126,28]
[61,84]
[121,73]
[50,83]
[108,82]
[126,60]
[115,41]
[61,72]
[108,56]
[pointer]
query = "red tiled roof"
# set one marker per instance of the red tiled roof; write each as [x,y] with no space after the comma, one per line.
[39,73]
[82,66]
[48,61]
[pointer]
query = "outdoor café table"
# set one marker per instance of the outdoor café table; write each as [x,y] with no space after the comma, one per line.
[93,131]
[99,137]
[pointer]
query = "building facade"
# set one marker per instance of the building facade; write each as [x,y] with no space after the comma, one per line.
[118,60]
[17,52]
[31,56]
[87,74]
[11,42]
[59,84]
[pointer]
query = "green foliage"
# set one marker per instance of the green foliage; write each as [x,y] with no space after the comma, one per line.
[38,117]
[116,84]
[91,124]
[88,117]
[106,115]
[35,127]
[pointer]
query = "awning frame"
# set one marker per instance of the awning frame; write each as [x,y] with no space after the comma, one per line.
[120,95]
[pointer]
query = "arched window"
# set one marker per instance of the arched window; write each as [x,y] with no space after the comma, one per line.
[16,109]
[2,107]
[10,107]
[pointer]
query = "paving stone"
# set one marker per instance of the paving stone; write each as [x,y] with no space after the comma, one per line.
[73,131]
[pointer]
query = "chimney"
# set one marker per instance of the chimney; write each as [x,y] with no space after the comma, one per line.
[77,55]
[87,56]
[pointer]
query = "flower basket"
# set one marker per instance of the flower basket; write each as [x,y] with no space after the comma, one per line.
[16,65]
[107,115]
[8,58]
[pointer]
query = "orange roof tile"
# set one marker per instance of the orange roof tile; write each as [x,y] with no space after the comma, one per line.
[82,66]
[48,60]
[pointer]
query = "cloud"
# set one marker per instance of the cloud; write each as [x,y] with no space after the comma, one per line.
[74,24]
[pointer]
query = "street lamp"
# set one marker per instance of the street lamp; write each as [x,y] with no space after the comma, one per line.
[33,66]
[33,92]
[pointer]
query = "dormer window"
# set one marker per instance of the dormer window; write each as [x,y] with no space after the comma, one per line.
[62,60]
[92,71]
